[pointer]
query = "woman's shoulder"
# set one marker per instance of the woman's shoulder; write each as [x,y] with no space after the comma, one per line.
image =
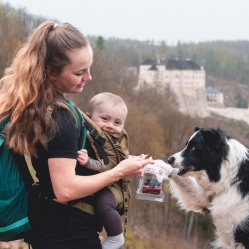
[64,119]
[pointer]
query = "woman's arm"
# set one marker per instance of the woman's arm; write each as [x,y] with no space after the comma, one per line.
[62,159]
[69,186]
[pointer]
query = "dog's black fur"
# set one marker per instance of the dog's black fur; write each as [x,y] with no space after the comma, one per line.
[214,175]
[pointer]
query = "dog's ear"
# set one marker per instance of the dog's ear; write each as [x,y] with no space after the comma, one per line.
[215,140]
[210,136]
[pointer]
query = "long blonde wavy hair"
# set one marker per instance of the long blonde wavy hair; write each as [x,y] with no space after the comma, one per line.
[25,91]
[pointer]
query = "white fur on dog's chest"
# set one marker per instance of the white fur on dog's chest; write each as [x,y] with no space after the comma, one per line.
[229,210]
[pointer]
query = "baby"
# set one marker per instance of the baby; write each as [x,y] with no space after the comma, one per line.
[108,111]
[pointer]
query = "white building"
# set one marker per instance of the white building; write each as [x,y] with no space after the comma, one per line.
[184,78]
[180,76]
[215,97]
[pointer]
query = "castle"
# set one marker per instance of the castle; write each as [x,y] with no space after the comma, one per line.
[185,79]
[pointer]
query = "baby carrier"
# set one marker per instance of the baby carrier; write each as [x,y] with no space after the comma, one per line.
[109,149]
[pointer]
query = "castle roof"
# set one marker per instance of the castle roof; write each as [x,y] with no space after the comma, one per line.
[153,68]
[150,62]
[173,64]
[212,90]
[181,65]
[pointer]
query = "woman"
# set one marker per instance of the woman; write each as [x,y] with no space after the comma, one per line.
[55,60]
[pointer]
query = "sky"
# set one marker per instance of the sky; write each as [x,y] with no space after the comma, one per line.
[154,20]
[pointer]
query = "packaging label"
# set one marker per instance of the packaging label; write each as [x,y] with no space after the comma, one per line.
[150,183]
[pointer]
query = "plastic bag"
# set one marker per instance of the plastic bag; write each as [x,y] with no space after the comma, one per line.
[150,183]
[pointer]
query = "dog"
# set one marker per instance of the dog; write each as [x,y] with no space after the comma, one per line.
[213,178]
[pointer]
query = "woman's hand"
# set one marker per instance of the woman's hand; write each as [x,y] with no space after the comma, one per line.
[132,166]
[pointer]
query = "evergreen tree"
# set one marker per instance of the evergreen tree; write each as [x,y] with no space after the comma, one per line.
[100,43]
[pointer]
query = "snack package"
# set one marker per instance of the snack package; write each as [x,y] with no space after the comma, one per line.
[150,183]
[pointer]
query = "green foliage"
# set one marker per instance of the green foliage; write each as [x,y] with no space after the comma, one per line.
[100,43]
[240,101]
[218,59]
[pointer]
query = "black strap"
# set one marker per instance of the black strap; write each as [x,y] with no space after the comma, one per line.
[95,135]
[99,142]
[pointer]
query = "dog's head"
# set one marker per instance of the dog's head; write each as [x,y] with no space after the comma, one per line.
[205,150]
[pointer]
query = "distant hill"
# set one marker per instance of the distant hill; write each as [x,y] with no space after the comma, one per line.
[241,46]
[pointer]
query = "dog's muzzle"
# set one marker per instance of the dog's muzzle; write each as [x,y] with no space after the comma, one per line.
[171,160]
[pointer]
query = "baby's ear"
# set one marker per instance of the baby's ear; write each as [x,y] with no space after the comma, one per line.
[88,114]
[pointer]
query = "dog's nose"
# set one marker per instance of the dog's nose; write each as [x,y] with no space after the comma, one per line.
[171,160]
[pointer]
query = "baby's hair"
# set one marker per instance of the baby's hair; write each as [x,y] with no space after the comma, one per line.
[101,98]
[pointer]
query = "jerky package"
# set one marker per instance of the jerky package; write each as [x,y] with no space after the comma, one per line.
[150,183]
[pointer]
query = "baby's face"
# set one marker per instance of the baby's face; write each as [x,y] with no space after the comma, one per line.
[109,118]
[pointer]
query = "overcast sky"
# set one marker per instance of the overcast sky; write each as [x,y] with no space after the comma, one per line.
[168,20]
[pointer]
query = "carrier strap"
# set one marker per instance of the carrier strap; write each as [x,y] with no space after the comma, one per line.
[124,186]
[126,203]
[79,204]
[31,168]
[98,140]
[81,122]
[101,150]
[2,135]
[14,225]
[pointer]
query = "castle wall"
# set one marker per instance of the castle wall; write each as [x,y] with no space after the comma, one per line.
[187,85]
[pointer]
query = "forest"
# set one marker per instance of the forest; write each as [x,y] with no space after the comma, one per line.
[154,123]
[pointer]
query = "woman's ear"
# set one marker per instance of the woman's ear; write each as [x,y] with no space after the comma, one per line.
[51,74]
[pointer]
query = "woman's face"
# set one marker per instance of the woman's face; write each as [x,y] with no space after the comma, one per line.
[73,76]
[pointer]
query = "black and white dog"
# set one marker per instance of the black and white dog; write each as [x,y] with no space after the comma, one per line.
[213,177]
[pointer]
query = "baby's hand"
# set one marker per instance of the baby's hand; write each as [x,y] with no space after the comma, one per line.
[82,157]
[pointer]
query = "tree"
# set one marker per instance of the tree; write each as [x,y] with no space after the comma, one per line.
[240,101]
[100,43]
